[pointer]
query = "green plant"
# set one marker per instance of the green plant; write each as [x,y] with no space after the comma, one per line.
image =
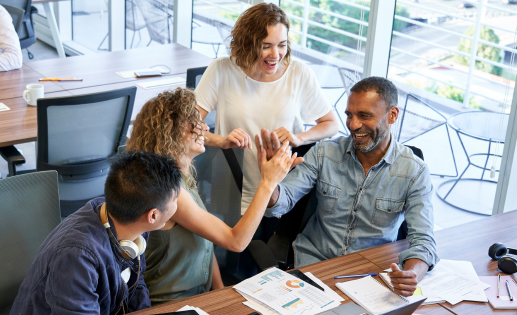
[447,91]
[483,51]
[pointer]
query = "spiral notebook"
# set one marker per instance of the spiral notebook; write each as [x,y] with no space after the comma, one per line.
[377,299]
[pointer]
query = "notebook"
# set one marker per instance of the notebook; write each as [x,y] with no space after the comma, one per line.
[418,292]
[503,302]
[371,295]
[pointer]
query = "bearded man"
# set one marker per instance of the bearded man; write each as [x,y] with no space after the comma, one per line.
[366,185]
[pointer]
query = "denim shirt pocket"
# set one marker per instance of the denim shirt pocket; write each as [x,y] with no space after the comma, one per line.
[387,211]
[327,196]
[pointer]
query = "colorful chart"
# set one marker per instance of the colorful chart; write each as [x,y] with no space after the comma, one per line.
[293,304]
[295,284]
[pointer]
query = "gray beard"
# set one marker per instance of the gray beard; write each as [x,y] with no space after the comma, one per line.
[373,143]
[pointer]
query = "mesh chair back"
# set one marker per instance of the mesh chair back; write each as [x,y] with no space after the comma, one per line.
[16,15]
[78,135]
[193,77]
[349,78]
[156,16]
[220,192]
[29,207]
[415,118]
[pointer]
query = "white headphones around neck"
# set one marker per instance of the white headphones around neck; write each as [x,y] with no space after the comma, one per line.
[128,249]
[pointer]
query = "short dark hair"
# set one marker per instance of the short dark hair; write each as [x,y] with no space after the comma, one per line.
[385,88]
[138,182]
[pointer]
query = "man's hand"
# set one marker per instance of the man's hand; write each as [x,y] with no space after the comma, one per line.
[236,139]
[404,282]
[285,135]
[269,141]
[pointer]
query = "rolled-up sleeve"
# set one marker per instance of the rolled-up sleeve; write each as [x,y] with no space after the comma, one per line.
[296,184]
[420,220]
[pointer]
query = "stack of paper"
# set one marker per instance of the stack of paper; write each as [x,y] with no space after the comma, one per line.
[450,280]
[276,292]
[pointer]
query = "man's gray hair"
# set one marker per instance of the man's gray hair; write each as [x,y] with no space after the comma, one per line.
[385,88]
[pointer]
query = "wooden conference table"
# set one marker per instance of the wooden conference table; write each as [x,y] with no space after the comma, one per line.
[469,241]
[98,72]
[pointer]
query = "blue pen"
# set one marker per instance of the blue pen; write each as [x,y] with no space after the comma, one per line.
[355,276]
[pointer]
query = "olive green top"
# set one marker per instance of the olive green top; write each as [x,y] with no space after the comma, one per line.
[179,262]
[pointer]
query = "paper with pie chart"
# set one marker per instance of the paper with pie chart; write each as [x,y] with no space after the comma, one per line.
[285,293]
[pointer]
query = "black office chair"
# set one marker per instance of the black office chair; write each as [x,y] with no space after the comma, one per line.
[278,252]
[29,208]
[26,31]
[78,136]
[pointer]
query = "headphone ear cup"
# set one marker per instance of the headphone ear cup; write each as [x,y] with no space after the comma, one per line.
[497,250]
[507,264]
[142,244]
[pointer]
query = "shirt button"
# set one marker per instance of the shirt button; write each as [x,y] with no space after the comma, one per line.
[389,210]
[355,210]
[325,192]
[350,228]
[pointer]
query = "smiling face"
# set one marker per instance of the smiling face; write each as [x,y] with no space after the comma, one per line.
[269,67]
[368,119]
[196,140]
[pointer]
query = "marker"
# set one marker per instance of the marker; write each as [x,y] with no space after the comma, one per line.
[355,276]
[61,79]
[498,284]
[509,291]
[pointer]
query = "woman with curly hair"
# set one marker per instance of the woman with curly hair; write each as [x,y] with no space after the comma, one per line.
[260,87]
[180,260]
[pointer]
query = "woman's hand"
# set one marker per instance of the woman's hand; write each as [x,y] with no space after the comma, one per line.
[236,139]
[269,141]
[285,135]
[274,170]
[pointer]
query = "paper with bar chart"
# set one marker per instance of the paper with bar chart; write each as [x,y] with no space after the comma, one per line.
[285,293]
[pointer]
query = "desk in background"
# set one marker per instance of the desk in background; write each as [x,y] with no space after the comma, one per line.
[19,124]
[469,241]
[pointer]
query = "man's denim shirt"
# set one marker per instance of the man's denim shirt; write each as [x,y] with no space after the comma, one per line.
[78,271]
[355,211]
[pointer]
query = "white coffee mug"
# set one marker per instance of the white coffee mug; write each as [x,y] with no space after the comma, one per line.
[32,93]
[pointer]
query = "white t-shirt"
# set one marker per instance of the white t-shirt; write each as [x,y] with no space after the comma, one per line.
[241,102]
[10,52]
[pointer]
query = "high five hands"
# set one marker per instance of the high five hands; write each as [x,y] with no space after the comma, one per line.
[270,147]
[239,139]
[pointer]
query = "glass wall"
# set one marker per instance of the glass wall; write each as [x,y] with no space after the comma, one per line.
[451,61]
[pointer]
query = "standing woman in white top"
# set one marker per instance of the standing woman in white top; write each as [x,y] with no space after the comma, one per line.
[260,86]
[10,52]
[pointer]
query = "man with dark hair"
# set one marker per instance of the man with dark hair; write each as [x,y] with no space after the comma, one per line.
[92,263]
[366,185]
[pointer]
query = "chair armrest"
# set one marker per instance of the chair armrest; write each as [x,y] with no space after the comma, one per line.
[262,255]
[279,245]
[13,158]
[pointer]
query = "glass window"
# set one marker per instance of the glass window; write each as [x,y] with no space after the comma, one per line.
[451,63]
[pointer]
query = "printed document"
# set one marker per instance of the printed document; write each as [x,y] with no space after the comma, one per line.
[285,293]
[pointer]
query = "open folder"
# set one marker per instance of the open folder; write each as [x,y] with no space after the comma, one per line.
[376,299]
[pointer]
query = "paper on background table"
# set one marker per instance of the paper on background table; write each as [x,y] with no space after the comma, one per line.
[160,83]
[131,73]
[3,107]
[192,308]
[449,285]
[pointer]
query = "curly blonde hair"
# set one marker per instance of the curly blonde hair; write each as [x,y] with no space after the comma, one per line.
[251,29]
[160,127]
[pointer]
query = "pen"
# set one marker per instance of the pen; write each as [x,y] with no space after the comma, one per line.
[498,284]
[509,291]
[355,276]
[61,79]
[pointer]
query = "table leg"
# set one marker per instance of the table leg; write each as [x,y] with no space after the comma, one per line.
[52,24]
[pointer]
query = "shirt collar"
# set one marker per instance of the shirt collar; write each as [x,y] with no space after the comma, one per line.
[389,157]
